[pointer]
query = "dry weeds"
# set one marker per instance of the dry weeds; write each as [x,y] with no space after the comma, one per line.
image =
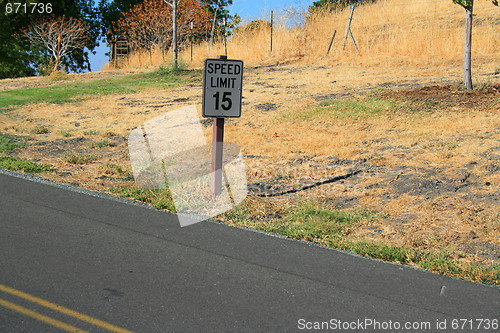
[387,32]
[429,165]
[433,173]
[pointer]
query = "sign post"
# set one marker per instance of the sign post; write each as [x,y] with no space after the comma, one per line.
[217,149]
[222,90]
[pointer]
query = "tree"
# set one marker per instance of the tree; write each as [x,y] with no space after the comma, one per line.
[150,24]
[328,5]
[175,51]
[145,25]
[15,61]
[110,12]
[469,6]
[195,19]
[222,22]
[60,36]
[334,5]
[19,57]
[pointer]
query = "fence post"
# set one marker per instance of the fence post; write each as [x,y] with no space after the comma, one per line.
[348,29]
[191,24]
[331,42]
[272,26]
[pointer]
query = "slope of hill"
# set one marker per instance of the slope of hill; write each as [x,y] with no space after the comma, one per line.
[388,33]
[420,155]
[417,156]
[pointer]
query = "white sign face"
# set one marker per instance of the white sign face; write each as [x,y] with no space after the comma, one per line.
[222,83]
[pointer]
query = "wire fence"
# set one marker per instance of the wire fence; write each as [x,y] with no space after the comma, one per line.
[416,29]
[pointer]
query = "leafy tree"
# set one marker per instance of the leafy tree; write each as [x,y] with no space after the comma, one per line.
[469,6]
[333,5]
[110,12]
[114,15]
[222,22]
[145,25]
[328,5]
[19,57]
[14,59]
[255,25]
[150,24]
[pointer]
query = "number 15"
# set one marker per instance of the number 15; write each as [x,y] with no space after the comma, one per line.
[226,103]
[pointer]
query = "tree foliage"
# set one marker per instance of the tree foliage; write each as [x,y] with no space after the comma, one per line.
[149,24]
[19,57]
[144,25]
[470,3]
[329,5]
[333,5]
[14,58]
[110,12]
[222,22]
[110,19]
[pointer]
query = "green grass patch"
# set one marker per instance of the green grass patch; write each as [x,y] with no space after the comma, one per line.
[68,92]
[373,105]
[6,109]
[312,222]
[90,132]
[446,263]
[316,223]
[170,69]
[66,134]
[374,250]
[9,143]
[157,198]
[19,164]
[349,108]
[76,158]
[101,144]
[117,169]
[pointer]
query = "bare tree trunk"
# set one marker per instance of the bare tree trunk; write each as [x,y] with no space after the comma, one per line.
[212,33]
[468,47]
[56,66]
[58,56]
[174,34]
[162,45]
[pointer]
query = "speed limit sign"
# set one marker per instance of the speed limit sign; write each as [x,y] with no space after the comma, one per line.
[222,83]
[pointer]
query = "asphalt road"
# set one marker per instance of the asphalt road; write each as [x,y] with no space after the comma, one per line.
[103,265]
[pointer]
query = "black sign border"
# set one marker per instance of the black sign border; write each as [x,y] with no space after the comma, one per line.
[204,90]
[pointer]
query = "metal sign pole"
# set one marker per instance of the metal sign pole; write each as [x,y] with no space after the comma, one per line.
[217,149]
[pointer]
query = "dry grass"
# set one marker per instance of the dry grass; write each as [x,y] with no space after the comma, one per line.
[388,32]
[397,145]
[426,150]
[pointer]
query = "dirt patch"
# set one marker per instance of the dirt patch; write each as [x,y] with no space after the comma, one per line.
[266,106]
[449,95]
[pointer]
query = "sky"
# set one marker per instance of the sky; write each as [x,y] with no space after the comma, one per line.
[258,9]
[248,10]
